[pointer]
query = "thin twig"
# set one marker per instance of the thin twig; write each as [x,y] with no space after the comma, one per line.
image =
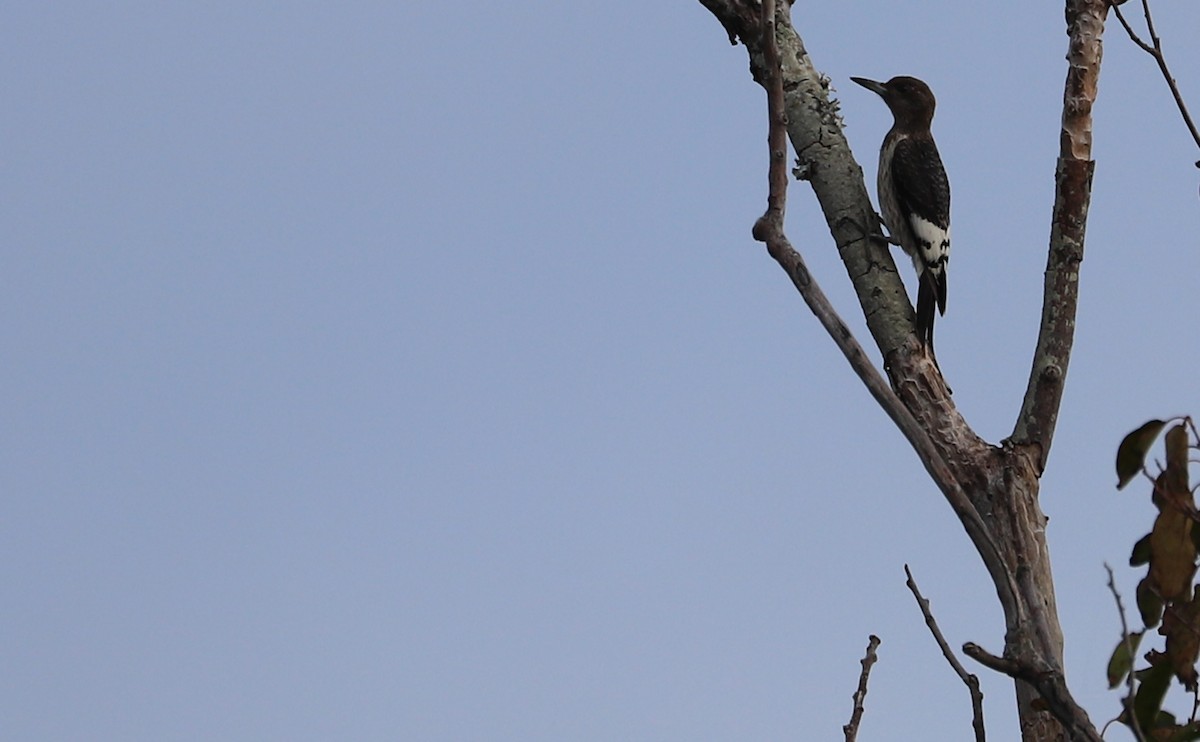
[1129,677]
[969,679]
[771,223]
[860,695]
[1154,49]
[1129,30]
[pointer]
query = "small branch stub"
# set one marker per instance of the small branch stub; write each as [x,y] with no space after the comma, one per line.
[860,694]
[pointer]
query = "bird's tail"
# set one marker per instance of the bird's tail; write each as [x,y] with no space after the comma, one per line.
[931,301]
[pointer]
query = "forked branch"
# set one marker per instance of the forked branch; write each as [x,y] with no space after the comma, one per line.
[1035,426]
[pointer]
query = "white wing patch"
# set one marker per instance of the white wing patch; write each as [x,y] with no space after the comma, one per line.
[933,245]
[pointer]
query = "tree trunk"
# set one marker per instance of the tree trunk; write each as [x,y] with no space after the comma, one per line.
[993,489]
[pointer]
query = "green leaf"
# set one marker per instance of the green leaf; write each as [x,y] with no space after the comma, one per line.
[1165,720]
[1150,694]
[1122,659]
[1149,604]
[1141,550]
[1131,454]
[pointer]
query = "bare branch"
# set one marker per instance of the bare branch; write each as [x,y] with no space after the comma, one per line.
[860,695]
[769,227]
[1050,686]
[1129,30]
[970,680]
[1073,191]
[1129,677]
[1154,49]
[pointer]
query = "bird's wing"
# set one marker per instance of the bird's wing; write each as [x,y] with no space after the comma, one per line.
[920,180]
[924,196]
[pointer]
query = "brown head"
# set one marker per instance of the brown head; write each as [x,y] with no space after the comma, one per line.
[911,100]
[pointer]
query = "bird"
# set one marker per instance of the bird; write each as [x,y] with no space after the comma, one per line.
[914,194]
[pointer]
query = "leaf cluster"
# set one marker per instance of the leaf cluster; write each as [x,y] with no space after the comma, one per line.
[1167,597]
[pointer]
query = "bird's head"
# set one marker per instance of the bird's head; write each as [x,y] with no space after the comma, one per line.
[910,99]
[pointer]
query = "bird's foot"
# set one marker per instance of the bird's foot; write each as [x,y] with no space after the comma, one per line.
[876,234]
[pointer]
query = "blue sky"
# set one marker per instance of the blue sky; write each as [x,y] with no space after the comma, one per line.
[407,371]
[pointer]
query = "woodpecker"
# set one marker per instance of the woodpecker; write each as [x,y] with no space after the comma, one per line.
[914,194]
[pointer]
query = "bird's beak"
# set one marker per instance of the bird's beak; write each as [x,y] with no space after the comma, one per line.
[876,87]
